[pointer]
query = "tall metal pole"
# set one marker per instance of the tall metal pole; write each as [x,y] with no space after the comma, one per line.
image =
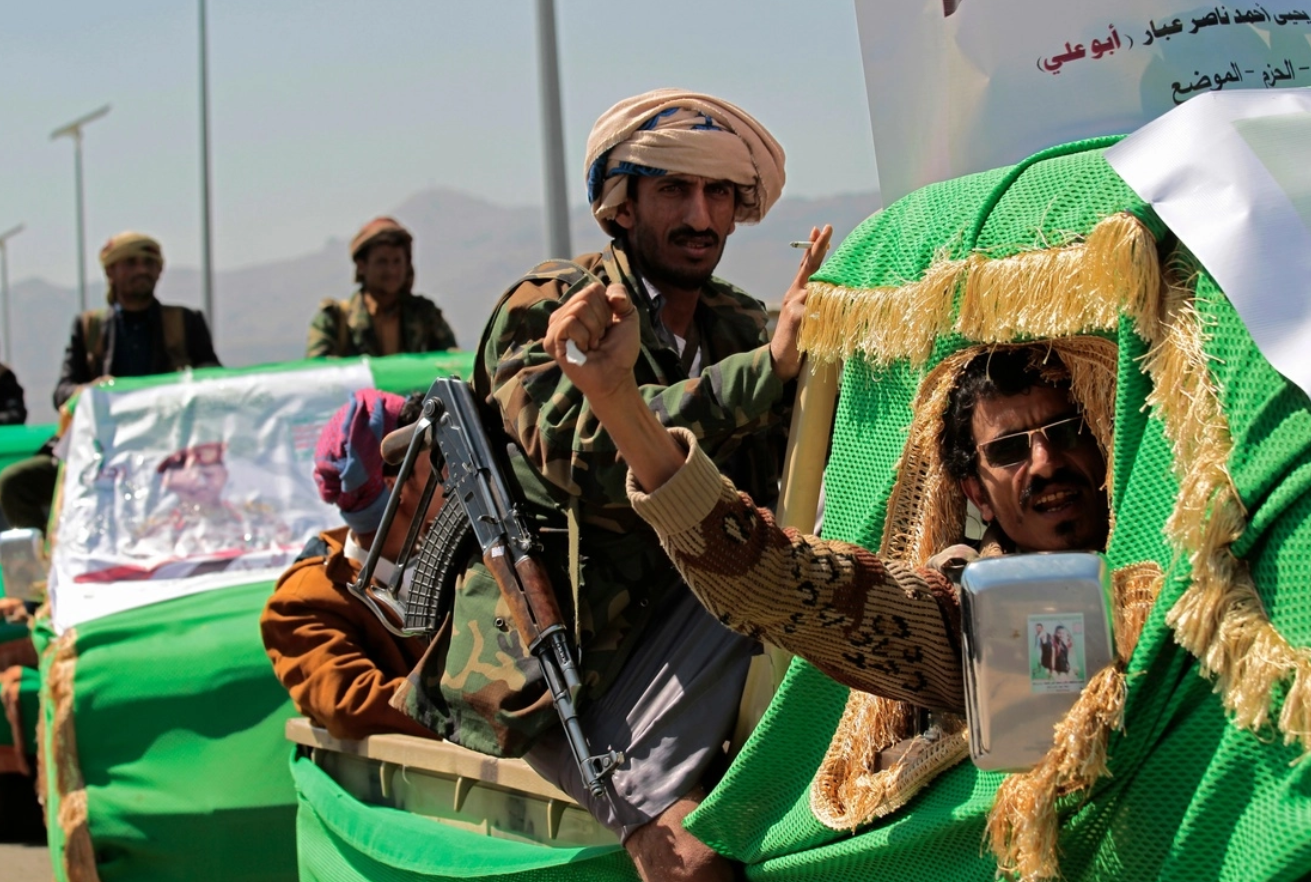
[207,270]
[4,293]
[74,130]
[81,222]
[4,285]
[557,199]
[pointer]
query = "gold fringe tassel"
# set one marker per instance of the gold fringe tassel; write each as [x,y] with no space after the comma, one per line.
[42,790]
[11,681]
[1022,827]
[79,857]
[881,324]
[853,786]
[1295,718]
[1064,291]
[1135,587]
[79,853]
[870,723]
[1053,292]
[1219,618]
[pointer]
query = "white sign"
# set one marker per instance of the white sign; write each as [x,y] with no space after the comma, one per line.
[963,86]
[189,486]
[1231,176]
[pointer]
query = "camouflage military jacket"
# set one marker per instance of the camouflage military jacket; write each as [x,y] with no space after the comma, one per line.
[488,693]
[422,328]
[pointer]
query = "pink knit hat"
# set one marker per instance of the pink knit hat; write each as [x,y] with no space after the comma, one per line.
[348,461]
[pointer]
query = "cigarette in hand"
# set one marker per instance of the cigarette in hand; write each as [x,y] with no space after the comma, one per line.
[573,354]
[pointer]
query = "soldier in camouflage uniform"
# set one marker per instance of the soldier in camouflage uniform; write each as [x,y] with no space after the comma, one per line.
[384,317]
[661,677]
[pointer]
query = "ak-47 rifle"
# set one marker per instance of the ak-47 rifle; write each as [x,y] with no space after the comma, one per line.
[488,509]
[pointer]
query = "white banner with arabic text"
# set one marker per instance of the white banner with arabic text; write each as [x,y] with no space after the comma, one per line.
[962,86]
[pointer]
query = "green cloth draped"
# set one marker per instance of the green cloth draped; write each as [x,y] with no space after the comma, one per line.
[1189,795]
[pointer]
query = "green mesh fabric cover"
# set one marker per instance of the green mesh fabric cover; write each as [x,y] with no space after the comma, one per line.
[1190,796]
[340,839]
[180,722]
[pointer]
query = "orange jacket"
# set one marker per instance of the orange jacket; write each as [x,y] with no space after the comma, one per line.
[339,663]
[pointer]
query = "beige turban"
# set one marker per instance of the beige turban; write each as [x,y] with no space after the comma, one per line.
[130,244]
[670,130]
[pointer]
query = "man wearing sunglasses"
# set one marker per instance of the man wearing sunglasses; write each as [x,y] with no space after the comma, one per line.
[1020,449]
[1013,437]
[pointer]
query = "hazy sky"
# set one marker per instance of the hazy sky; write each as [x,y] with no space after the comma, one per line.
[324,113]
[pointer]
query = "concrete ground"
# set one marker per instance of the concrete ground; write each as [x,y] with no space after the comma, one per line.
[25,863]
[23,853]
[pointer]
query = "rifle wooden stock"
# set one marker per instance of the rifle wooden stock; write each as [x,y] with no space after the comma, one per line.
[539,593]
[527,592]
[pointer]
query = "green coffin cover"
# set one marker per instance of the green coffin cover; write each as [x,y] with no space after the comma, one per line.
[177,723]
[343,840]
[20,442]
[1190,795]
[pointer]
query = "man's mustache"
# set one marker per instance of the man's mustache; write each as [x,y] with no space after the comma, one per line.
[681,235]
[1037,486]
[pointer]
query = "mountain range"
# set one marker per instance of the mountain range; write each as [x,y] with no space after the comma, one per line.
[466,251]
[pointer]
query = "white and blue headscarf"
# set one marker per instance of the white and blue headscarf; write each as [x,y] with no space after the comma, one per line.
[672,131]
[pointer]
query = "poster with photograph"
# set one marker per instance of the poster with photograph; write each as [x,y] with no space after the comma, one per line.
[189,486]
[1057,653]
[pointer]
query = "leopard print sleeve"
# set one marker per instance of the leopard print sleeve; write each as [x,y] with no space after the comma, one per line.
[876,625]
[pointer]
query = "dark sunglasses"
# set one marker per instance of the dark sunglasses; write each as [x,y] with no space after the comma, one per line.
[1011,450]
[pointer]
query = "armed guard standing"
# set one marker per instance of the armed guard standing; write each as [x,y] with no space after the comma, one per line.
[669,175]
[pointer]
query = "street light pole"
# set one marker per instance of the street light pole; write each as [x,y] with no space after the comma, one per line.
[548,72]
[207,271]
[74,130]
[4,284]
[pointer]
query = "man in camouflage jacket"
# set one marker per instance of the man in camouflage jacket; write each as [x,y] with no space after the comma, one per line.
[383,317]
[706,364]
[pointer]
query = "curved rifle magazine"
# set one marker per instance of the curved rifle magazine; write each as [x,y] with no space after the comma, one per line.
[442,558]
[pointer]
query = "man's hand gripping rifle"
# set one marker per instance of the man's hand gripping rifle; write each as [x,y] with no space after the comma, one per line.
[476,478]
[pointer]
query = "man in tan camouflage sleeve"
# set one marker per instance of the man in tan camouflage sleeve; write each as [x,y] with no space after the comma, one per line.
[1013,436]
[383,317]
[669,176]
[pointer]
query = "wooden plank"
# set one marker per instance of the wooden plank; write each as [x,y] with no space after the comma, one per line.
[438,757]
